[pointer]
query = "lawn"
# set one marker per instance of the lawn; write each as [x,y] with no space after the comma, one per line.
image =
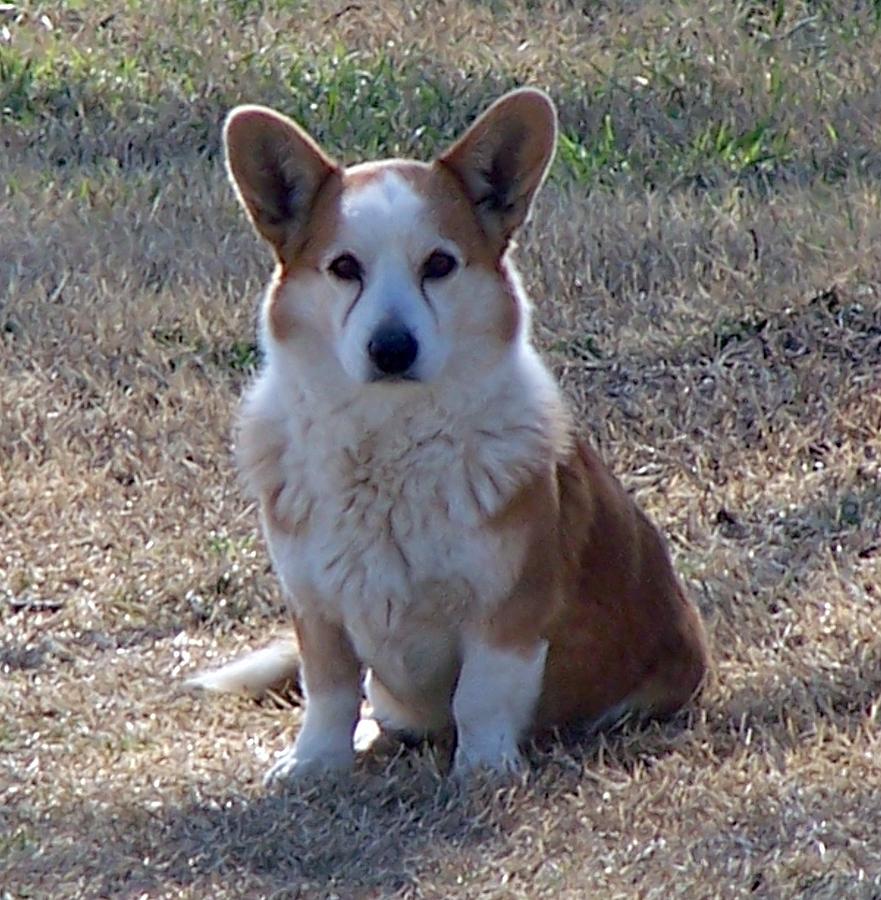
[705,262]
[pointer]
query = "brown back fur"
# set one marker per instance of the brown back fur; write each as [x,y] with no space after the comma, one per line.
[625,631]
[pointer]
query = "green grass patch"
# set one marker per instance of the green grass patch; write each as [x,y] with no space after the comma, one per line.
[237,357]
[653,108]
[17,841]
[593,158]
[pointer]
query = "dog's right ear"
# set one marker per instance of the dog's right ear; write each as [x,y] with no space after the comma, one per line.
[277,170]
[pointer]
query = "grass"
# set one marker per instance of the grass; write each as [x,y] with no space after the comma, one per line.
[706,273]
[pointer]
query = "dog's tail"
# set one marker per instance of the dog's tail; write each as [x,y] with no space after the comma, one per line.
[273,668]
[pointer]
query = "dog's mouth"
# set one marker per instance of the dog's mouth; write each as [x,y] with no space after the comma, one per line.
[403,378]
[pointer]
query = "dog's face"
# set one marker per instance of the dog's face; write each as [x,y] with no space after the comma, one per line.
[394,270]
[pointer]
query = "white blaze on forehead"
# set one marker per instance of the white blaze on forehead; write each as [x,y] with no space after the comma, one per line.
[382,208]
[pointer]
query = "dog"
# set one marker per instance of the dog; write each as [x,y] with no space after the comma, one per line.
[446,540]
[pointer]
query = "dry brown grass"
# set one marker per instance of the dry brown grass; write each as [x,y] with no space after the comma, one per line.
[713,310]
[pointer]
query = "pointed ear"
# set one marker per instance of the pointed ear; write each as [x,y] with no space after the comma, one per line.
[277,170]
[503,158]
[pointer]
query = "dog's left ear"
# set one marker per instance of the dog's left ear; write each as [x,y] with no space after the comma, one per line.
[503,158]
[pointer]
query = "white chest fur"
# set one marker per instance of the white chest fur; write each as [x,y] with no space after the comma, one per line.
[383,516]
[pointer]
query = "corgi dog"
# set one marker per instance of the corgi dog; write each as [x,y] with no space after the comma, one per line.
[448,544]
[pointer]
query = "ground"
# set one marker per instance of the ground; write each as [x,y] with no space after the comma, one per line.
[706,272]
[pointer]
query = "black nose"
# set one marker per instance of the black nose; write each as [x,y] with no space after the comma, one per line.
[392,349]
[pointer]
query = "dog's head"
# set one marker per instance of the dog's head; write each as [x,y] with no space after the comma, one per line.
[393,269]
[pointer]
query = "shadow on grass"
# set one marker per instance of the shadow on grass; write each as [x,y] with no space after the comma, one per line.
[396,819]
[372,830]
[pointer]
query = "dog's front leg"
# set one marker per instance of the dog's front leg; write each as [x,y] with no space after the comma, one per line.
[331,682]
[495,700]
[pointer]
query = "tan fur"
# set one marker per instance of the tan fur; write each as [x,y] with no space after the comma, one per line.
[328,659]
[625,629]
[297,257]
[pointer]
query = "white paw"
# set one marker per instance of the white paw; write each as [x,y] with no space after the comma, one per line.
[493,704]
[501,759]
[293,765]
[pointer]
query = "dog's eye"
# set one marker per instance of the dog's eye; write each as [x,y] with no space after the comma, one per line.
[346,268]
[438,265]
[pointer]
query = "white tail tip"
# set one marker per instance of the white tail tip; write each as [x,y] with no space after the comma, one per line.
[253,674]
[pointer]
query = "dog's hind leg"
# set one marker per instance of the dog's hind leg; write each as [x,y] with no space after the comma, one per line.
[406,723]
